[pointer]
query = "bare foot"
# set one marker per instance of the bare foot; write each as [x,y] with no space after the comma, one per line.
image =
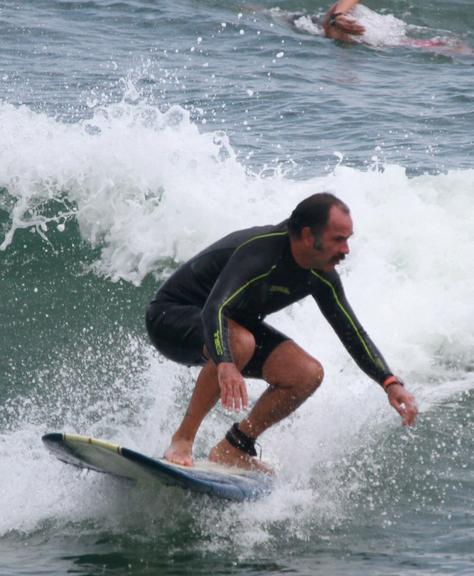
[180,452]
[224,453]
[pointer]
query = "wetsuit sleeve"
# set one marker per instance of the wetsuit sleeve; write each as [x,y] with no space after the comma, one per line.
[336,309]
[248,266]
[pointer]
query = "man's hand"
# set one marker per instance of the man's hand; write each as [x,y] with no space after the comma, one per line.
[403,402]
[233,388]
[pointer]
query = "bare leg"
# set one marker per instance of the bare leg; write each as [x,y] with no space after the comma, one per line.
[203,399]
[293,375]
[205,395]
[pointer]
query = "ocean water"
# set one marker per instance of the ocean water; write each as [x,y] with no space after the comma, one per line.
[132,134]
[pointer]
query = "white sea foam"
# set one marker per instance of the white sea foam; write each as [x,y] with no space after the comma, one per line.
[380,29]
[150,186]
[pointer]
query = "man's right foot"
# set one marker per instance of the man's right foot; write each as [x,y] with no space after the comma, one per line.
[180,452]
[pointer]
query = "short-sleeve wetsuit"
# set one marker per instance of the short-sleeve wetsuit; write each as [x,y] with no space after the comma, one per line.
[244,277]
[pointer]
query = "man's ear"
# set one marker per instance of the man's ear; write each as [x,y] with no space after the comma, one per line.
[317,244]
[310,239]
[307,236]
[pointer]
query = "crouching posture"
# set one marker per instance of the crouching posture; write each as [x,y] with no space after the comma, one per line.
[211,313]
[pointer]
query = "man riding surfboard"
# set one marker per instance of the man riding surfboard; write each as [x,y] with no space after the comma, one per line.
[211,313]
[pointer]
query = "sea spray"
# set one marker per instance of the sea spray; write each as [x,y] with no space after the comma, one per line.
[148,189]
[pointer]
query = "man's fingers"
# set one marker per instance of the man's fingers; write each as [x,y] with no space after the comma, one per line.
[237,400]
[406,408]
[411,412]
[225,399]
[239,397]
[400,408]
[233,388]
[245,398]
[234,397]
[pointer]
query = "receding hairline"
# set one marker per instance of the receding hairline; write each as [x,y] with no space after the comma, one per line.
[341,205]
[314,212]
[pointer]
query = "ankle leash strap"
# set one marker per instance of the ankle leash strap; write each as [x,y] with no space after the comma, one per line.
[241,441]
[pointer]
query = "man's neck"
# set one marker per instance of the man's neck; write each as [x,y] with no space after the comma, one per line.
[298,253]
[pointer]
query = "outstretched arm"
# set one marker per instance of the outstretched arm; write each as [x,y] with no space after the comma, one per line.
[337,311]
[338,25]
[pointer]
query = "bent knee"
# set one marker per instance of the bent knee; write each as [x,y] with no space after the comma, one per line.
[311,376]
[242,343]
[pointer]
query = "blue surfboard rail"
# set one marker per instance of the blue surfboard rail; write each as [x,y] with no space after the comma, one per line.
[108,458]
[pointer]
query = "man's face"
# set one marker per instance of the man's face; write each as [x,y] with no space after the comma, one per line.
[332,246]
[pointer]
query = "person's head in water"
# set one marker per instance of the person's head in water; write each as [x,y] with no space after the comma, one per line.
[320,227]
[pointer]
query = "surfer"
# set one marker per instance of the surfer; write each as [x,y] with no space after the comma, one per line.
[211,313]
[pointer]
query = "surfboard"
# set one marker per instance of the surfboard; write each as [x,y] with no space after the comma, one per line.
[204,477]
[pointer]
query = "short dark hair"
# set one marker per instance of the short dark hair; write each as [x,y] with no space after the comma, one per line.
[314,212]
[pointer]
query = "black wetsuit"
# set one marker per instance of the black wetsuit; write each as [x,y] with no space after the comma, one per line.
[244,277]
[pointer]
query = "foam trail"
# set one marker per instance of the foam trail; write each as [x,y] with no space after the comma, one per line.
[381,30]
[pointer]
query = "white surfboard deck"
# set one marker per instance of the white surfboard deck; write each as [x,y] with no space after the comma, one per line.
[205,477]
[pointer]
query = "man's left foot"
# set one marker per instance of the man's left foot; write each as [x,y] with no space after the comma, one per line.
[180,452]
[225,454]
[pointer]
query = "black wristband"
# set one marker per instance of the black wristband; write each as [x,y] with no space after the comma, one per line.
[333,18]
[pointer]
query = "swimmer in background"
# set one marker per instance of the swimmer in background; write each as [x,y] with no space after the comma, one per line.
[338,25]
[349,22]
[341,22]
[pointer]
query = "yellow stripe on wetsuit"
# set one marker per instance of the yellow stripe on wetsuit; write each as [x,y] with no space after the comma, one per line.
[220,343]
[346,314]
[218,336]
[259,237]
